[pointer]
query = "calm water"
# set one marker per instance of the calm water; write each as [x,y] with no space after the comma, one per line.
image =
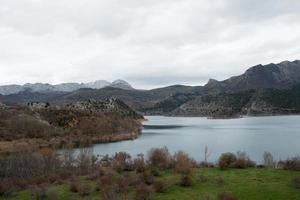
[279,135]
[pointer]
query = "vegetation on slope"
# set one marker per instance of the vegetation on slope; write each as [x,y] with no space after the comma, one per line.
[40,124]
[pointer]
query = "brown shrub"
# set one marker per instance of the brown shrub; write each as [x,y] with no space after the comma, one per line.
[52,194]
[84,189]
[186,180]
[123,184]
[243,160]
[226,196]
[147,178]
[291,164]
[160,186]
[38,192]
[227,160]
[122,162]
[139,163]
[109,193]
[182,162]
[296,182]
[75,185]
[160,158]
[5,187]
[143,192]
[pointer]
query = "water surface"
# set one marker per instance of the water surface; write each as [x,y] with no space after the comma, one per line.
[279,135]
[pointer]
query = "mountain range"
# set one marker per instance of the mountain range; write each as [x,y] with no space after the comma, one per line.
[63,87]
[262,89]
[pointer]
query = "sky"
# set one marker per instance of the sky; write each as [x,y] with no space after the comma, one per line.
[149,43]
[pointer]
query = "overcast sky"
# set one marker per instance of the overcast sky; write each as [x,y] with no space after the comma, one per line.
[148,43]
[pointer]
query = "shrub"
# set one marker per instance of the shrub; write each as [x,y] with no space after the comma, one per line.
[38,192]
[84,190]
[227,160]
[160,158]
[296,182]
[202,178]
[5,187]
[220,182]
[139,163]
[160,186]
[292,164]
[108,193]
[186,180]
[143,192]
[182,162]
[123,184]
[106,180]
[147,178]
[243,160]
[75,185]
[226,196]
[122,162]
[52,194]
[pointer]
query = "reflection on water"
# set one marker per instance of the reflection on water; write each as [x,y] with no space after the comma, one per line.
[278,134]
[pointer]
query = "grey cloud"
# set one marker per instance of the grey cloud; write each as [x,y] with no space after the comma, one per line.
[148,42]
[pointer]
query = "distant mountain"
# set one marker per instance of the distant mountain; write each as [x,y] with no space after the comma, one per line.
[63,87]
[281,76]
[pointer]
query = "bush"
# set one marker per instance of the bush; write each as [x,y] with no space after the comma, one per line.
[139,163]
[202,178]
[226,196]
[292,164]
[5,187]
[143,192]
[227,160]
[123,184]
[84,189]
[243,160]
[52,194]
[122,162]
[106,180]
[38,192]
[182,162]
[160,186]
[220,182]
[186,180]
[75,185]
[296,182]
[160,158]
[147,178]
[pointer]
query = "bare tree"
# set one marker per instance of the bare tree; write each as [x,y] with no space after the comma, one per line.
[206,154]
[268,159]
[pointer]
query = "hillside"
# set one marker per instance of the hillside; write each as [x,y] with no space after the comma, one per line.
[251,102]
[42,124]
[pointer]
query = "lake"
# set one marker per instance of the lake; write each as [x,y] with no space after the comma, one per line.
[279,135]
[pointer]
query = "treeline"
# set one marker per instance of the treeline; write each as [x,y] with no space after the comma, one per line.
[115,175]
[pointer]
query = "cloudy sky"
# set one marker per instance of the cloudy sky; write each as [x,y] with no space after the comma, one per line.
[149,43]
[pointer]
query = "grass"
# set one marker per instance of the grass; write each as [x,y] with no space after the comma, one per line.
[267,184]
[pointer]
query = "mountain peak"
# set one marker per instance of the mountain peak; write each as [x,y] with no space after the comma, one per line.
[121,84]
